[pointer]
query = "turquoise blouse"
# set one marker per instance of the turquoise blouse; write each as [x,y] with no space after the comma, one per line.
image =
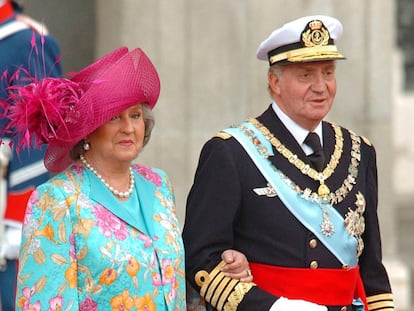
[82,249]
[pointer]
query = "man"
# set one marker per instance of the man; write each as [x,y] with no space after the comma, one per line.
[19,174]
[296,194]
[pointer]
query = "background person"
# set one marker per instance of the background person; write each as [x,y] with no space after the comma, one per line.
[296,194]
[20,47]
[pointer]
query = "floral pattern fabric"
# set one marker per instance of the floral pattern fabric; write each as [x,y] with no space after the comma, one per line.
[84,250]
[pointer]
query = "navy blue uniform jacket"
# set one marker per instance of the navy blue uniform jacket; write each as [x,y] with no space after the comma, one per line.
[223,212]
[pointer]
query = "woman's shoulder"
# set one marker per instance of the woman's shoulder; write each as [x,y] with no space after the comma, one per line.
[72,174]
[152,174]
[62,184]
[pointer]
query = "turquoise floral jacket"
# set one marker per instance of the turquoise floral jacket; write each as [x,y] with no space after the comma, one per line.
[82,249]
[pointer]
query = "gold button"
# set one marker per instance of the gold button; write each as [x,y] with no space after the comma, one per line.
[345,267]
[313,264]
[344,308]
[313,243]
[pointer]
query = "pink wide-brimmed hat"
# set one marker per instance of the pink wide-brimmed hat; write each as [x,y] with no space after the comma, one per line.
[61,112]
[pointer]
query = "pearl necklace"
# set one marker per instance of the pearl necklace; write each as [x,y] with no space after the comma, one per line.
[117,193]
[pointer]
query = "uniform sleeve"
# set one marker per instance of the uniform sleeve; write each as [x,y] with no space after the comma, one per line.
[373,272]
[44,58]
[32,57]
[213,206]
[47,263]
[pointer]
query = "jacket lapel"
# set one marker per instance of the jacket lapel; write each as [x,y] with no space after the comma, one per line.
[270,120]
[146,196]
[137,211]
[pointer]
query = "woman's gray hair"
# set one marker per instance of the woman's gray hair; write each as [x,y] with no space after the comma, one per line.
[149,122]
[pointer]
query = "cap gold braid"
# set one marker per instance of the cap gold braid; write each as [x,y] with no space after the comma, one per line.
[307,53]
[222,292]
[316,44]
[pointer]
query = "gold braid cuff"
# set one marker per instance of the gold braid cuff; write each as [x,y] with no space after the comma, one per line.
[222,292]
[381,302]
[237,295]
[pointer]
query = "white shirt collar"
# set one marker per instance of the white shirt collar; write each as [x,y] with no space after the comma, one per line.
[298,132]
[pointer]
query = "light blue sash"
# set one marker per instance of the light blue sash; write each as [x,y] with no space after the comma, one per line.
[340,243]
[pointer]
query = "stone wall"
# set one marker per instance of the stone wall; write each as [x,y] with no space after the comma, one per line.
[405,28]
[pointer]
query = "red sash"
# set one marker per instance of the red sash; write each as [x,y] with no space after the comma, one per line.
[332,287]
[6,11]
[16,204]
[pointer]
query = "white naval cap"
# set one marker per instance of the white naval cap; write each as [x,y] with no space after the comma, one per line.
[306,39]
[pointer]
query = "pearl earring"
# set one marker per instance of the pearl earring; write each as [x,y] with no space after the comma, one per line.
[86,146]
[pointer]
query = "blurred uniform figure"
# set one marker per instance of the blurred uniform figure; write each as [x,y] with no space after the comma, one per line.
[24,45]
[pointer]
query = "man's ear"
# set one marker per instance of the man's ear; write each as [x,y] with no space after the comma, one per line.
[273,81]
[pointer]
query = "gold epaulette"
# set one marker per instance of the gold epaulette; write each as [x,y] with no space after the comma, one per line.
[381,302]
[223,135]
[366,140]
[222,292]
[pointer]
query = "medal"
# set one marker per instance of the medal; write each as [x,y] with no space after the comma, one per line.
[323,190]
[327,227]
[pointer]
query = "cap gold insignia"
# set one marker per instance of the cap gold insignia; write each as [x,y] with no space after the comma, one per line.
[315,35]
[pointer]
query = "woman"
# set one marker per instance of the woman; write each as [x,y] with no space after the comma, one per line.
[102,234]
